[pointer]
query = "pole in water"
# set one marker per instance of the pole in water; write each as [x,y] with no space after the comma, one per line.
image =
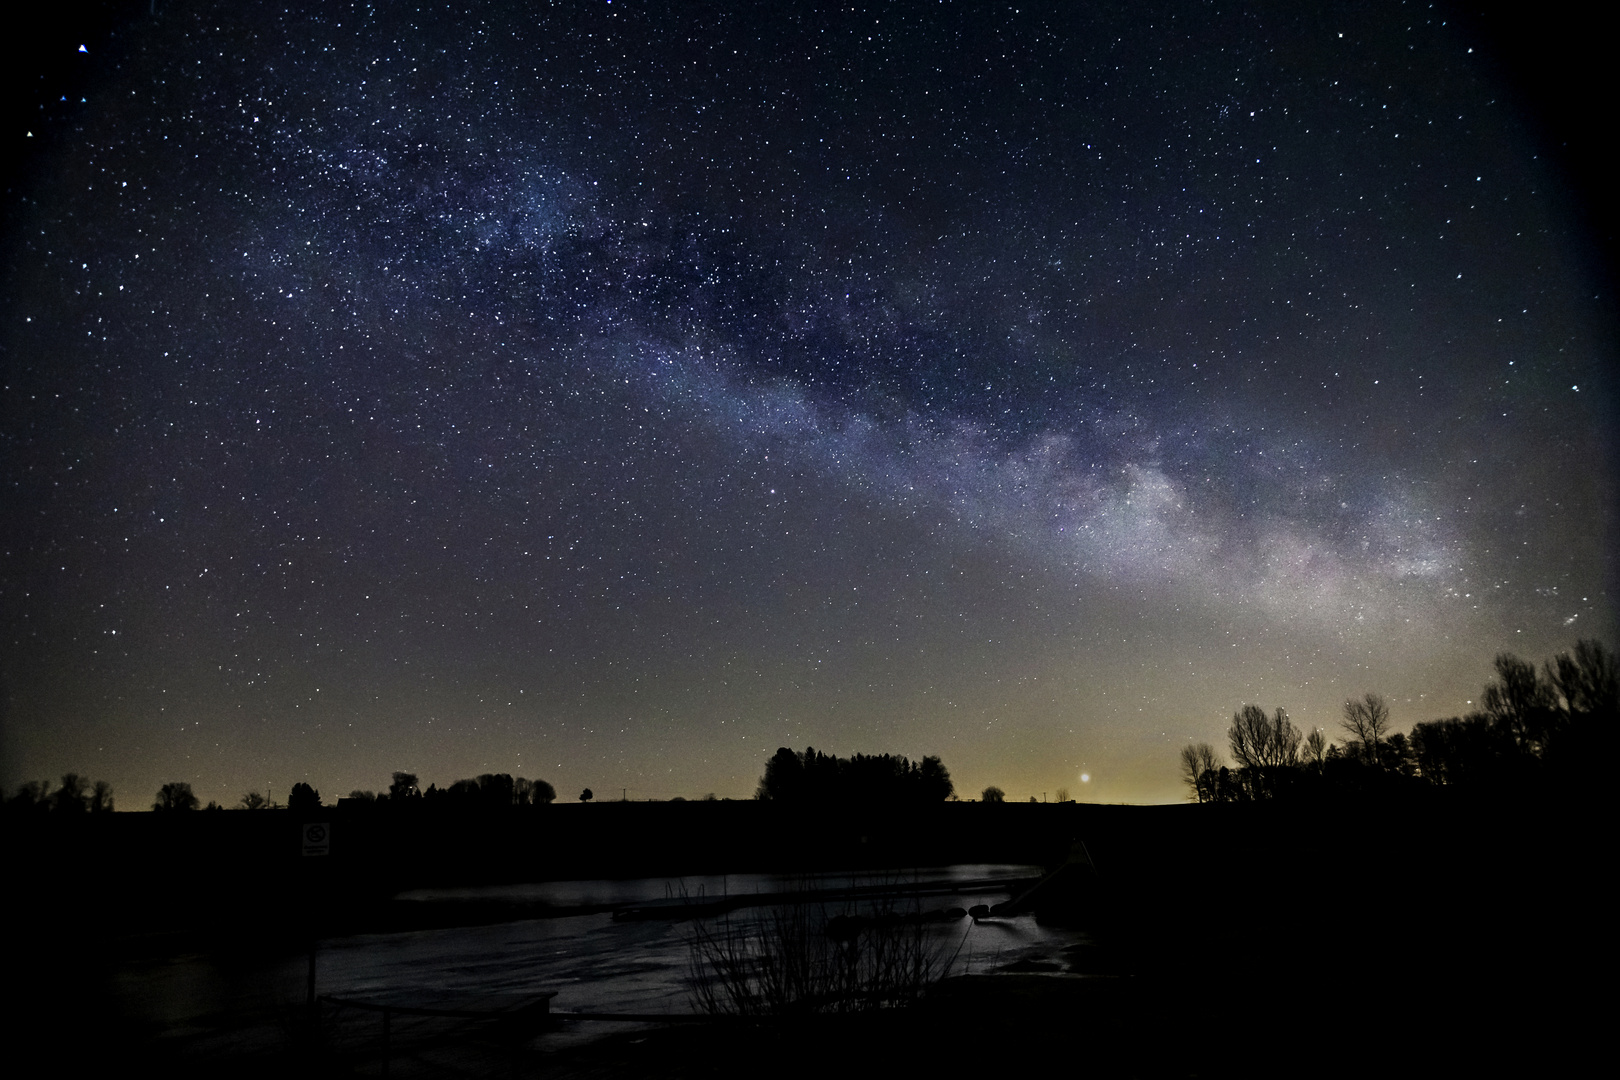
[310,999]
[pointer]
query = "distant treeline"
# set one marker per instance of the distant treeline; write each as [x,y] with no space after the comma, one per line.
[76,795]
[790,777]
[814,777]
[1552,723]
[488,789]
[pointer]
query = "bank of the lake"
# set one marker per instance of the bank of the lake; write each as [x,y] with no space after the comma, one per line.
[1253,937]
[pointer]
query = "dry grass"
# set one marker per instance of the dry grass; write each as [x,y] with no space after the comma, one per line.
[814,957]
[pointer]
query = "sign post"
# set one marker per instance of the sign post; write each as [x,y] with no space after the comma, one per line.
[317,838]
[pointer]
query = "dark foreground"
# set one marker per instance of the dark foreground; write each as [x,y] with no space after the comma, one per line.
[1445,936]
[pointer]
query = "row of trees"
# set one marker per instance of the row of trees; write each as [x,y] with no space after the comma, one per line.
[993,794]
[178,796]
[75,796]
[814,777]
[1561,717]
[1531,721]
[790,777]
[489,791]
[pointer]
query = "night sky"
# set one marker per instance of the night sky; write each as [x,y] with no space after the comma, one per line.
[612,393]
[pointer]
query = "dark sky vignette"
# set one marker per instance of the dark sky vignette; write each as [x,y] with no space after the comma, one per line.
[611,396]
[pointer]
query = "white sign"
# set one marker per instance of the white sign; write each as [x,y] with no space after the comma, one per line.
[318,839]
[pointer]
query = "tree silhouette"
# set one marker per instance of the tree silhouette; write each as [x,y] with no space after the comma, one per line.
[73,796]
[814,777]
[497,790]
[1587,686]
[933,780]
[1520,705]
[1461,750]
[1261,742]
[254,801]
[1367,722]
[33,796]
[784,779]
[1588,682]
[404,787]
[176,796]
[1395,755]
[587,795]
[1264,747]
[303,797]
[1198,764]
[1315,751]
[1561,718]
[532,792]
[993,794]
[463,791]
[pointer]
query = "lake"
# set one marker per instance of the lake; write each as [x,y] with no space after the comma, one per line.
[596,964]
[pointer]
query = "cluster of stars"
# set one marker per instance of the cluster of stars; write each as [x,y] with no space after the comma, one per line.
[694,373]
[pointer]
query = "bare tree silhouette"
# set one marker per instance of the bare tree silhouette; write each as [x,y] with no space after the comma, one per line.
[1367,722]
[1316,748]
[1521,705]
[1199,766]
[1264,747]
[532,792]
[1588,682]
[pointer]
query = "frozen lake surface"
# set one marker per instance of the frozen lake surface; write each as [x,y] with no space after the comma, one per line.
[599,965]
[594,963]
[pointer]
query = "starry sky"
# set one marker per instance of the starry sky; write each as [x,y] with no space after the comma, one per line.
[611,393]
